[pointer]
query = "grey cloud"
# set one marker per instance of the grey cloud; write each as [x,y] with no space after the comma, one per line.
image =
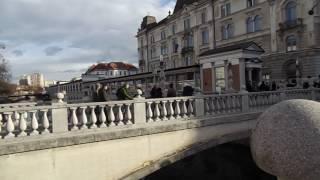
[53,50]
[18,53]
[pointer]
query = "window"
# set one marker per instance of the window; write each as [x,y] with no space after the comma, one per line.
[186,24]
[220,78]
[164,49]
[203,17]
[205,36]
[175,46]
[153,52]
[141,42]
[250,25]
[173,29]
[290,10]
[163,35]
[152,39]
[227,31]
[291,43]
[226,10]
[188,41]
[188,60]
[257,23]
[251,3]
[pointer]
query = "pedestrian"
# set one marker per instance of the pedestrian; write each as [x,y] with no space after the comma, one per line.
[153,92]
[187,90]
[171,91]
[273,86]
[99,94]
[159,93]
[123,94]
[316,83]
[262,86]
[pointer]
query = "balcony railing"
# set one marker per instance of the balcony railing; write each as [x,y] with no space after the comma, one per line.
[186,50]
[289,24]
[59,117]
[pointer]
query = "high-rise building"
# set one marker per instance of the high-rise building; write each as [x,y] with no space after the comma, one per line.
[34,80]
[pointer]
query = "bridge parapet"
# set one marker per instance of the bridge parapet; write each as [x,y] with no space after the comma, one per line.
[23,120]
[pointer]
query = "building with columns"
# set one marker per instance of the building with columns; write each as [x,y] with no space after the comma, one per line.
[287,34]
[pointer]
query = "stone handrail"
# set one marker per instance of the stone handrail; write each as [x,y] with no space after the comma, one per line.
[31,120]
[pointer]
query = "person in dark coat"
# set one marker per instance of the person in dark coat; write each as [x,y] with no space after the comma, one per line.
[99,95]
[123,94]
[187,91]
[159,93]
[171,91]
[153,92]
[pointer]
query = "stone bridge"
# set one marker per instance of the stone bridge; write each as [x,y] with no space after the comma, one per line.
[124,139]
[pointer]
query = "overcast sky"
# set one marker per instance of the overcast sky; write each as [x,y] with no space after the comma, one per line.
[62,38]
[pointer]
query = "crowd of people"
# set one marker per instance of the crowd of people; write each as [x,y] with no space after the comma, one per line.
[274,86]
[104,93]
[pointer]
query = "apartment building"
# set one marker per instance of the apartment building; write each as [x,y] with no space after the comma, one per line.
[282,29]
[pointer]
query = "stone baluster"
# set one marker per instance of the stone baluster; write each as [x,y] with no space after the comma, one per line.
[93,117]
[74,119]
[177,110]
[102,117]
[84,119]
[190,108]
[128,114]
[1,119]
[234,103]
[223,105]
[16,117]
[213,108]
[207,106]
[156,111]
[45,122]
[120,115]
[22,125]
[149,112]
[34,124]
[9,126]
[218,105]
[184,108]
[112,117]
[171,111]
[227,103]
[164,112]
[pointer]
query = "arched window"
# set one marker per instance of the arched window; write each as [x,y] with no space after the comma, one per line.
[291,43]
[257,23]
[250,25]
[291,11]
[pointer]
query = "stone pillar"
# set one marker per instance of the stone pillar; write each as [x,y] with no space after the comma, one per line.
[213,74]
[59,118]
[242,72]
[201,78]
[139,111]
[313,94]
[226,75]
[244,101]
[250,75]
[199,106]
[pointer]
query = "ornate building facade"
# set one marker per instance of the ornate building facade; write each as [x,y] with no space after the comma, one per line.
[288,35]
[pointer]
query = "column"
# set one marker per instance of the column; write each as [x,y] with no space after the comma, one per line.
[213,74]
[226,74]
[242,72]
[250,74]
[201,78]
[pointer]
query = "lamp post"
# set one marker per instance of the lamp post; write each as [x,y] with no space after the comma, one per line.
[162,74]
[311,12]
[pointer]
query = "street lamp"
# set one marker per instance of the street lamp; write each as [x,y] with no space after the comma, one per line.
[311,12]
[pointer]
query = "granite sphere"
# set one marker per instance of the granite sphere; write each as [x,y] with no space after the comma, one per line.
[286,140]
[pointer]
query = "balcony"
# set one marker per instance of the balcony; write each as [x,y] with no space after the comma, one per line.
[186,50]
[290,24]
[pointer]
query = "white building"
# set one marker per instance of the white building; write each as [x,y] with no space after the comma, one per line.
[109,70]
[34,80]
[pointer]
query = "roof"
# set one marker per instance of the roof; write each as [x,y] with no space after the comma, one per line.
[181,3]
[248,46]
[112,66]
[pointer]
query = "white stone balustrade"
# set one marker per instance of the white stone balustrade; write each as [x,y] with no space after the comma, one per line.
[31,120]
